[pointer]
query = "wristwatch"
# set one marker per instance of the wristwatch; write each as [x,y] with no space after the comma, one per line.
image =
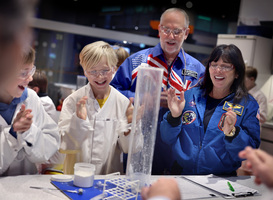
[232,132]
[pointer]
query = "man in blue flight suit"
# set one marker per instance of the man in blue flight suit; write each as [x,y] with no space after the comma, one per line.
[181,72]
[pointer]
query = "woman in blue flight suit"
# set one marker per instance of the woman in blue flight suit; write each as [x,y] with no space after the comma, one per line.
[209,125]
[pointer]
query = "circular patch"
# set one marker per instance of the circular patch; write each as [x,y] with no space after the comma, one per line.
[188,117]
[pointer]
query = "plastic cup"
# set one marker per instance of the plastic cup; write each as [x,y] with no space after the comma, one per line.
[84,174]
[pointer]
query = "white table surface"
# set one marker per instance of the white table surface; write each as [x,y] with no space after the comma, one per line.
[18,187]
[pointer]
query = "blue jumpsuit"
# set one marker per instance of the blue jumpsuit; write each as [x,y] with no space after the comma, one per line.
[211,152]
[176,76]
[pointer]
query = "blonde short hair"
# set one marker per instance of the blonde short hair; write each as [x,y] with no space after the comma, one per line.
[92,54]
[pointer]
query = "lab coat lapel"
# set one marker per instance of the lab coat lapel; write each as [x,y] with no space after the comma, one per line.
[18,108]
[3,121]
[93,101]
[105,106]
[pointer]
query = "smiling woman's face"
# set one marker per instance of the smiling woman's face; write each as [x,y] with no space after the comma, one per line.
[222,79]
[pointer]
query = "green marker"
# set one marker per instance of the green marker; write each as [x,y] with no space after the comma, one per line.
[230,187]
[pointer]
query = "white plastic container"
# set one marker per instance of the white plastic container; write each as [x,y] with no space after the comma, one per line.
[84,174]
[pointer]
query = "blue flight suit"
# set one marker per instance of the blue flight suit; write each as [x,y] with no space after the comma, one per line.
[211,152]
[177,76]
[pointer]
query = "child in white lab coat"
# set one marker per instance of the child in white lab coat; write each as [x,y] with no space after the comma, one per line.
[39,85]
[28,135]
[93,118]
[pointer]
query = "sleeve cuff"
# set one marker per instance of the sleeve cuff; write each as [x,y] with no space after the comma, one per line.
[174,121]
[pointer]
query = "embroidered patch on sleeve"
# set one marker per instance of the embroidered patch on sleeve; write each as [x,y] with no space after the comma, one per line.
[188,117]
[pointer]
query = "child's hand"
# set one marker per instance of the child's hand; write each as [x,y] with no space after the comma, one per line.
[129,111]
[23,120]
[129,114]
[81,108]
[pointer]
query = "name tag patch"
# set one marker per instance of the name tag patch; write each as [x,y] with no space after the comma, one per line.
[191,73]
[238,109]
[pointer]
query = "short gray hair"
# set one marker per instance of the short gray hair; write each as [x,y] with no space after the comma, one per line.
[183,12]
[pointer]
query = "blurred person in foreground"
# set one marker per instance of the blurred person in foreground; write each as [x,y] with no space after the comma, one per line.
[181,72]
[162,189]
[250,79]
[15,34]
[261,165]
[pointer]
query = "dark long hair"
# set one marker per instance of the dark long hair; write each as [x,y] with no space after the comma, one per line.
[230,54]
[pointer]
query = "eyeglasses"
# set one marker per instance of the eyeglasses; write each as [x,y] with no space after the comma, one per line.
[27,73]
[176,32]
[96,73]
[224,68]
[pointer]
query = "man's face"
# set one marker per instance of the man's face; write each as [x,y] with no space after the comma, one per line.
[172,32]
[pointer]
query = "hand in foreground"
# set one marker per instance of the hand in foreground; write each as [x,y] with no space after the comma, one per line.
[230,121]
[175,104]
[81,110]
[164,187]
[261,164]
[23,120]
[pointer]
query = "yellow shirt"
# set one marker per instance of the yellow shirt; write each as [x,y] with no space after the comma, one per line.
[102,101]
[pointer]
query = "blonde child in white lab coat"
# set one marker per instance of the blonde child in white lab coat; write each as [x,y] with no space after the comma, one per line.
[28,135]
[93,119]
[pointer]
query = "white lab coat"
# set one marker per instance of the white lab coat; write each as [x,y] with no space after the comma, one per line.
[262,101]
[18,157]
[100,138]
[50,108]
